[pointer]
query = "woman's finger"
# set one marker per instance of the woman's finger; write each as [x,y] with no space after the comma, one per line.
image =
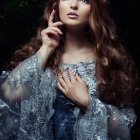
[52,30]
[56,24]
[66,78]
[72,77]
[51,33]
[51,18]
[57,30]
[78,78]
[47,31]
[62,82]
[61,88]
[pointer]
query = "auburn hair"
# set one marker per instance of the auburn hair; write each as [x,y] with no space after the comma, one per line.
[115,71]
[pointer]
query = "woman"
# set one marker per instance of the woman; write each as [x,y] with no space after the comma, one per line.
[77,81]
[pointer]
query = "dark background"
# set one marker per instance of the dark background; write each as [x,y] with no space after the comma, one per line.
[19,20]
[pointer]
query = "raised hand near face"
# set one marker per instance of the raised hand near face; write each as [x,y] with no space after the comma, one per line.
[73,88]
[50,35]
[50,39]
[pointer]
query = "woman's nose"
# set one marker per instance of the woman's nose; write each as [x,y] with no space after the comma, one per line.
[74,4]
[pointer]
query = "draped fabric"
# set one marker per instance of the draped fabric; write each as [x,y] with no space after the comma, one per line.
[44,113]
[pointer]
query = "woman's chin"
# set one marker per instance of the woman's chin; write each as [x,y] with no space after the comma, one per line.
[74,25]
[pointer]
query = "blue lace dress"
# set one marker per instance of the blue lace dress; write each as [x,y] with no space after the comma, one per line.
[43,113]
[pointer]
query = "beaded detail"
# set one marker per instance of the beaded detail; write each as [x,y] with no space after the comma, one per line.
[42,103]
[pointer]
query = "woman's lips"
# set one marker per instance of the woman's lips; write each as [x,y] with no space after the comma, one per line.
[72,15]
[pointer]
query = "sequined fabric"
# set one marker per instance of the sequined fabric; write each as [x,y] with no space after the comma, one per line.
[43,113]
[63,118]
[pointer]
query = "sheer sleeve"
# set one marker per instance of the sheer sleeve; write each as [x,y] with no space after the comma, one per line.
[19,81]
[92,124]
[22,79]
[120,122]
[28,117]
[102,121]
[9,115]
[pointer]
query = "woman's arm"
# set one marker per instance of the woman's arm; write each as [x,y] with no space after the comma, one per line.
[120,122]
[102,121]
[107,121]
[14,121]
[20,79]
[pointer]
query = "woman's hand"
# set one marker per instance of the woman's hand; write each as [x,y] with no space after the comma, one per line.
[74,88]
[51,35]
[50,39]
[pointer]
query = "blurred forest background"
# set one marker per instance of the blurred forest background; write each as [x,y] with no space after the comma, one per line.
[20,18]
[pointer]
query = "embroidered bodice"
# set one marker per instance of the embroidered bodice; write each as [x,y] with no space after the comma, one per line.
[45,114]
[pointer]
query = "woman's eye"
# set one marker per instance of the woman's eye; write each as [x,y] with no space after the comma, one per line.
[85,1]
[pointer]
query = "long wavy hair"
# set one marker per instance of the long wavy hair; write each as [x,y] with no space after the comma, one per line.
[115,71]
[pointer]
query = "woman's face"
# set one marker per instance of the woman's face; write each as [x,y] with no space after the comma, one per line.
[74,12]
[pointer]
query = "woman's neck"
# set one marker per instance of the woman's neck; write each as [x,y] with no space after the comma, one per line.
[75,40]
[77,47]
